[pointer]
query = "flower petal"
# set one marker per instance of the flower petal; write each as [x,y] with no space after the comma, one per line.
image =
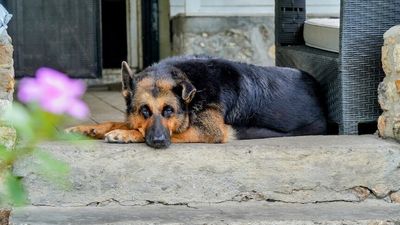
[52,79]
[55,92]
[78,109]
[76,88]
[55,105]
[28,90]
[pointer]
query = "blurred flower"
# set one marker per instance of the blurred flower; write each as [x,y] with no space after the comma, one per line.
[54,92]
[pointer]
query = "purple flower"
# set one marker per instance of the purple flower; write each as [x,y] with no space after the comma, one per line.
[54,92]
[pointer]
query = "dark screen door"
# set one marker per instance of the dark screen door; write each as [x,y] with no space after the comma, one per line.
[62,34]
[151,32]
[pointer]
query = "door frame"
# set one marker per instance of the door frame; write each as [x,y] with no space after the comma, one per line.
[134,31]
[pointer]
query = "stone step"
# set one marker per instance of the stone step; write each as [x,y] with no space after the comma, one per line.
[310,169]
[251,213]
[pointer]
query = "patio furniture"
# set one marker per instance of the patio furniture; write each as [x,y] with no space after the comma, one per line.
[349,79]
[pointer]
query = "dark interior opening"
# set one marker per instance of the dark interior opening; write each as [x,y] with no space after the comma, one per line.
[363,128]
[114,31]
[367,127]
[151,32]
[333,128]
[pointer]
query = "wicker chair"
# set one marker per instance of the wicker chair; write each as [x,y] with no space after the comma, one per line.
[349,80]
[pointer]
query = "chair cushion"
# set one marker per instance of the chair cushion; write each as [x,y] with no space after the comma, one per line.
[322,33]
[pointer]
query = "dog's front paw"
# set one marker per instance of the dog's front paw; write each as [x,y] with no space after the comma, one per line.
[89,131]
[123,136]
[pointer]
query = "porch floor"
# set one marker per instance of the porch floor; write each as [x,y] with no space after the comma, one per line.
[104,106]
[293,180]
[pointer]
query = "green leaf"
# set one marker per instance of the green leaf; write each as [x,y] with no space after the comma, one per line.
[63,136]
[51,168]
[15,190]
[7,159]
[6,154]
[19,118]
[45,123]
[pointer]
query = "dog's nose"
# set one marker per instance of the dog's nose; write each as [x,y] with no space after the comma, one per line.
[159,141]
[159,138]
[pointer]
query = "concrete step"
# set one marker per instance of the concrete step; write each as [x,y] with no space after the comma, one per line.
[310,169]
[251,213]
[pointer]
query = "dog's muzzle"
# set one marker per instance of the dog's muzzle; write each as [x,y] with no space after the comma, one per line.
[157,136]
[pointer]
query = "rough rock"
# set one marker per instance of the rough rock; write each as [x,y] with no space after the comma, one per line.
[8,136]
[389,88]
[369,213]
[395,197]
[4,216]
[294,170]
[247,39]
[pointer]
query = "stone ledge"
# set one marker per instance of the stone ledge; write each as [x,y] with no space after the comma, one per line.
[370,212]
[311,169]
[389,88]
[392,32]
[248,39]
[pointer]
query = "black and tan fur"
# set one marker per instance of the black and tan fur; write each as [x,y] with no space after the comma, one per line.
[212,100]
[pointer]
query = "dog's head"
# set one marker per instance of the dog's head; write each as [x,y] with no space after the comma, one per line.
[157,101]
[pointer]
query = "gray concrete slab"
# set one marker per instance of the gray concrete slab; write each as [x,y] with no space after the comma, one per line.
[112,98]
[103,106]
[231,213]
[295,170]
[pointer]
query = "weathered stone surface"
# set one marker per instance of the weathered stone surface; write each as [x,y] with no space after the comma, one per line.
[4,216]
[6,84]
[5,104]
[397,83]
[5,39]
[298,170]
[392,33]
[385,60]
[396,128]
[381,125]
[362,192]
[248,39]
[6,52]
[396,57]
[389,89]
[395,197]
[382,97]
[8,136]
[369,213]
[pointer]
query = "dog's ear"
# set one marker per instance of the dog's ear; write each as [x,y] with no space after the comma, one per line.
[188,91]
[127,79]
[183,85]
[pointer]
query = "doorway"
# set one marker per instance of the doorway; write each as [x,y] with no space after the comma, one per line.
[61,34]
[114,31]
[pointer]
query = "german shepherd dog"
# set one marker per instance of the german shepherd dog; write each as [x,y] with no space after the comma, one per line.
[212,100]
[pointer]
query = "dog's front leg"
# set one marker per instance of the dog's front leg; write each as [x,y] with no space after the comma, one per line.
[98,131]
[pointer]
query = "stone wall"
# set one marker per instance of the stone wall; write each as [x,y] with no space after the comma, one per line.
[247,39]
[389,89]
[7,134]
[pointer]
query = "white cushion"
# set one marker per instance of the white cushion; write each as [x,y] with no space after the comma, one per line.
[322,33]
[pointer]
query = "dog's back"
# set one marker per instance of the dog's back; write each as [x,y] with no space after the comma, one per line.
[257,101]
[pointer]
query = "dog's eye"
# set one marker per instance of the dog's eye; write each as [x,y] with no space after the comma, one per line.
[167,111]
[145,111]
